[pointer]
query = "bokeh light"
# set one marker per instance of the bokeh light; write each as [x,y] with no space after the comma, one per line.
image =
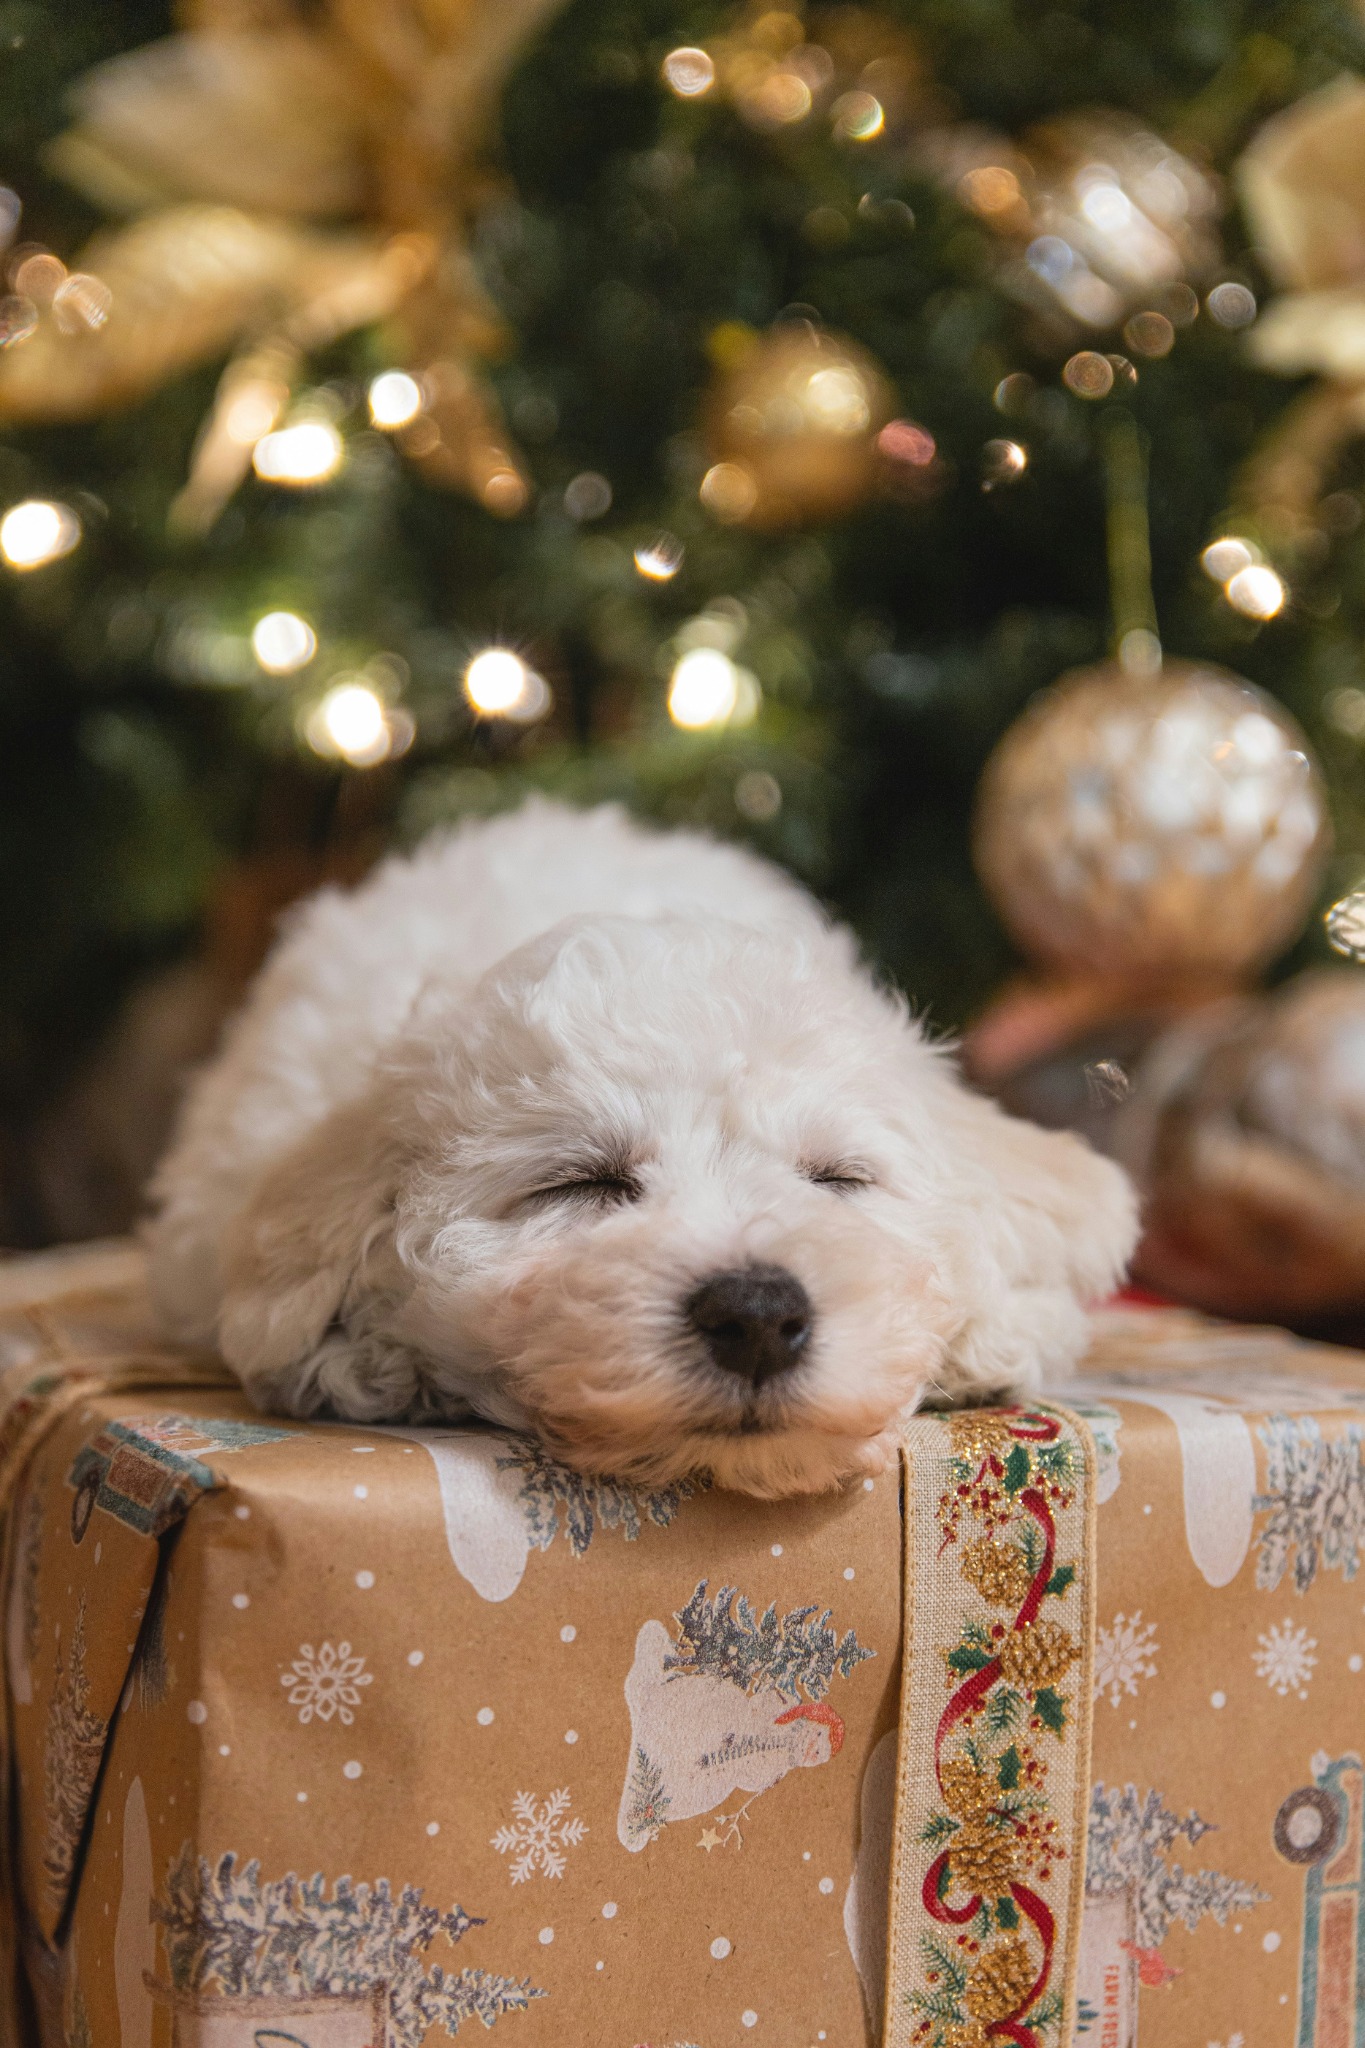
[37,532]
[858,116]
[704,689]
[395,400]
[1223,558]
[729,492]
[283,642]
[1089,374]
[1002,462]
[302,454]
[496,681]
[352,724]
[1256,591]
[1231,305]
[689,73]
[907,441]
[661,559]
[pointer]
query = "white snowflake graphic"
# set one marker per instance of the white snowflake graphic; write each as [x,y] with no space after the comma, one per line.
[325,1682]
[1238,2040]
[1124,1654]
[539,1835]
[1285,1659]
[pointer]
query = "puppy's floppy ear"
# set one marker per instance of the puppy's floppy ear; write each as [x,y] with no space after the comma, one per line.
[1056,1227]
[314,1239]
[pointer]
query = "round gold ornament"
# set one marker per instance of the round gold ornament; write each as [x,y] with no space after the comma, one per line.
[797,417]
[1167,826]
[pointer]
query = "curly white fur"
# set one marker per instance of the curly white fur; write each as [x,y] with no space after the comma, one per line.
[354,1206]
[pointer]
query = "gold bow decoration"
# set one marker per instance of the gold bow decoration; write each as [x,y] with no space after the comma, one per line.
[1302,183]
[289,174]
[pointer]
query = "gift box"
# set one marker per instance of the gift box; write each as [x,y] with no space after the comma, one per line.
[326,1737]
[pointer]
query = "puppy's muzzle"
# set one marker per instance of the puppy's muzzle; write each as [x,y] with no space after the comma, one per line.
[755,1322]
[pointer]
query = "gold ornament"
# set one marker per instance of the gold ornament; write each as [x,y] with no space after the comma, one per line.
[792,428]
[1038,1654]
[1148,826]
[1246,1132]
[999,1571]
[1000,1980]
[289,180]
[983,1857]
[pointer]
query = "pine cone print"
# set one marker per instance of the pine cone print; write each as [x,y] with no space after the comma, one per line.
[1035,1655]
[1001,1980]
[999,1571]
[983,1858]
[975,1432]
[971,2035]
[966,1790]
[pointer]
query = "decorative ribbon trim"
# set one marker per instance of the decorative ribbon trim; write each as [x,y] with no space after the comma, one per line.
[988,1847]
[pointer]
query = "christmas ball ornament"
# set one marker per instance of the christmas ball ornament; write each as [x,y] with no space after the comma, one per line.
[797,417]
[1159,826]
[1246,1133]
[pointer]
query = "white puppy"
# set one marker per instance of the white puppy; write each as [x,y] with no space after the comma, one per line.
[604,1134]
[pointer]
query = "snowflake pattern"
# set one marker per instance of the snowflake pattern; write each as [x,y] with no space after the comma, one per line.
[539,1835]
[1124,1654]
[325,1682]
[1285,1659]
[1237,2040]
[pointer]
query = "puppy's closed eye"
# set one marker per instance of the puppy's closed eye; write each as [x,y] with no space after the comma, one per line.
[844,1178]
[606,1190]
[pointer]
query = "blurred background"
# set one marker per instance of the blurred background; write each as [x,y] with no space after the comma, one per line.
[741,412]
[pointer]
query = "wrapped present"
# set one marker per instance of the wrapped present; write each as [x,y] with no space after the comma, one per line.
[327,1737]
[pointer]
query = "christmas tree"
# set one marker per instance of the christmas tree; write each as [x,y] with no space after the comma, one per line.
[697,404]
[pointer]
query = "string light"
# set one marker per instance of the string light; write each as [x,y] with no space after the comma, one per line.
[1256,591]
[283,642]
[689,73]
[352,723]
[395,400]
[704,689]
[37,532]
[661,560]
[496,681]
[305,453]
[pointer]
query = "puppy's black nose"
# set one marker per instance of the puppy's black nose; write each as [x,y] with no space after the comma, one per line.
[755,1322]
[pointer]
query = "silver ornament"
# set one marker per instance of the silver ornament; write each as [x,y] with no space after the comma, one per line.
[1152,826]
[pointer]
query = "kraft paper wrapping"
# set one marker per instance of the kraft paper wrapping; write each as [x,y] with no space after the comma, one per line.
[324,1737]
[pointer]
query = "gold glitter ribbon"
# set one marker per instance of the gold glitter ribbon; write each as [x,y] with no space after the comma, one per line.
[993,1773]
